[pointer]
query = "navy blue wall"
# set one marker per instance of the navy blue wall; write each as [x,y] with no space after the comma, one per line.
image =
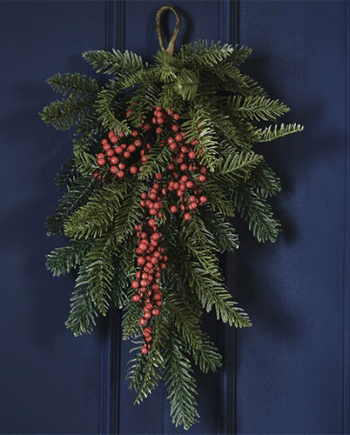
[289,374]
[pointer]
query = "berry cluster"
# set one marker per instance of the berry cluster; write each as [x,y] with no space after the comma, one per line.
[177,190]
[150,262]
[116,153]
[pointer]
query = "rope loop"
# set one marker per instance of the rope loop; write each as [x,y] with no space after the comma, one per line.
[176,31]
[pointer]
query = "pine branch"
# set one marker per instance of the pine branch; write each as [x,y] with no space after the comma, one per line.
[186,84]
[76,196]
[66,175]
[128,214]
[180,384]
[96,272]
[200,53]
[62,260]
[158,161]
[206,356]
[264,181]
[212,292]
[83,312]
[217,199]
[95,217]
[185,319]
[274,132]
[146,370]
[224,234]
[256,211]
[114,62]
[73,84]
[236,165]
[124,268]
[104,107]
[256,107]
[199,127]
[62,114]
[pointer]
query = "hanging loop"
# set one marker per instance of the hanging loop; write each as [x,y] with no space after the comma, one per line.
[176,31]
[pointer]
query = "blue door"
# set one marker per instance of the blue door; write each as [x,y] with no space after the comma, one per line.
[289,373]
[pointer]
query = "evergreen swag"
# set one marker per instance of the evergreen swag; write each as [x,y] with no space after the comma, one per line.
[163,158]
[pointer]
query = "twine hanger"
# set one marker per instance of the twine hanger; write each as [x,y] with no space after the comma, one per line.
[176,31]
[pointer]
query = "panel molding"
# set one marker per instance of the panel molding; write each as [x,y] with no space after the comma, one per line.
[346,288]
[111,327]
[227,338]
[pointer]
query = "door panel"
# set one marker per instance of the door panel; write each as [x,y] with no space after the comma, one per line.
[289,373]
[50,381]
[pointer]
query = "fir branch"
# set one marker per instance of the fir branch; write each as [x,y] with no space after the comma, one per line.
[128,214]
[62,114]
[131,317]
[158,161]
[206,356]
[66,175]
[146,370]
[224,234]
[236,165]
[212,292]
[198,127]
[104,107]
[124,268]
[256,107]
[255,211]
[217,198]
[186,84]
[185,319]
[114,62]
[95,217]
[274,132]
[82,313]
[77,195]
[96,272]
[264,181]
[62,260]
[180,383]
[73,84]
[200,53]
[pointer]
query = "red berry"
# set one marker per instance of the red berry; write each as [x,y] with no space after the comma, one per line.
[201,178]
[101,162]
[192,155]
[113,139]
[121,174]
[114,160]
[134,133]
[110,152]
[141,261]
[135,284]
[203,199]
[127,154]
[133,170]
[176,116]
[158,176]
[144,351]
[113,169]
[132,148]
[178,138]
[118,149]
[187,216]
[100,156]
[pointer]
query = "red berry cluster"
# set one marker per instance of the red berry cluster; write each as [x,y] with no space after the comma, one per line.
[179,184]
[150,262]
[116,153]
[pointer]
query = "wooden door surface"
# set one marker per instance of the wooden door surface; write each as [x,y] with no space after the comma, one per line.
[289,373]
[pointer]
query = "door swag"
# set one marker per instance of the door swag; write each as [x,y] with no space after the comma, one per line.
[162,159]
